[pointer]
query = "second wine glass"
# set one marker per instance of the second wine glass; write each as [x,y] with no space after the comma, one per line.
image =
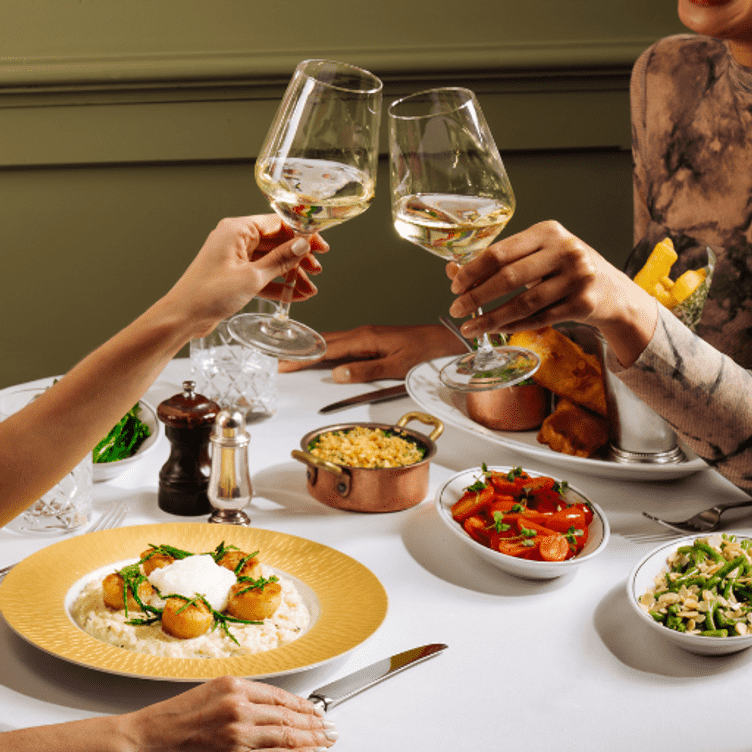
[451,196]
[317,168]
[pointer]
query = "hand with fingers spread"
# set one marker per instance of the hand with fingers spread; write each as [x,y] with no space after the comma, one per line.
[559,278]
[370,353]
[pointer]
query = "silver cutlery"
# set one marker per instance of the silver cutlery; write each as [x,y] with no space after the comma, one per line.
[377,395]
[703,522]
[455,330]
[111,518]
[640,536]
[338,691]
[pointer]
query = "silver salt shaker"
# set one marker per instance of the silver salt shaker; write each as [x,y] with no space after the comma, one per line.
[229,488]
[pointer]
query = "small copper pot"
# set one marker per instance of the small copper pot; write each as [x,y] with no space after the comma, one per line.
[512,408]
[364,489]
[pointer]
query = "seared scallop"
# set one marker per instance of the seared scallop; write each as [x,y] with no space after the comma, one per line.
[152,560]
[113,588]
[252,603]
[186,619]
[231,559]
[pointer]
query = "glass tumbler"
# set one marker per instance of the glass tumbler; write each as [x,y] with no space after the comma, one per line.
[66,507]
[235,375]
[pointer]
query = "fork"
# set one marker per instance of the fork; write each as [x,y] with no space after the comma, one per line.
[703,522]
[111,518]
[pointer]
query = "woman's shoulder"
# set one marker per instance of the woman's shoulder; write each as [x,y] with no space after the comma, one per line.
[674,72]
[678,56]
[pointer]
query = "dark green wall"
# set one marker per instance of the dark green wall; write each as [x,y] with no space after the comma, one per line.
[129,130]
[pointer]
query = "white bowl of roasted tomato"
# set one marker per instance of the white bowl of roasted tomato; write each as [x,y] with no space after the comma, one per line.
[527,524]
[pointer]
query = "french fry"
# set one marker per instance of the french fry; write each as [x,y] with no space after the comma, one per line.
[662,294]
[658,265]
[686,285]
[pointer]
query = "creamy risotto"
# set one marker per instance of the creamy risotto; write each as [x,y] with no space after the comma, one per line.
[287,623]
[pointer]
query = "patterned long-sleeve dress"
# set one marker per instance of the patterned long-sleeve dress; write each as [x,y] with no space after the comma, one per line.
[692,148]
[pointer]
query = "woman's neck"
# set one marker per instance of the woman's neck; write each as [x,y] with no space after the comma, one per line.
[742,52]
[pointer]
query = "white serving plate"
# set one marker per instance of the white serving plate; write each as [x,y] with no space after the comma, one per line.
[424,387]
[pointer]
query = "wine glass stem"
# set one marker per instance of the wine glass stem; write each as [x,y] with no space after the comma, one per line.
[485,348]
[285,299]
[283,309]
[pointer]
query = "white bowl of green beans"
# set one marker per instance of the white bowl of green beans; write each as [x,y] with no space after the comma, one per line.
[697,593]
[128,442]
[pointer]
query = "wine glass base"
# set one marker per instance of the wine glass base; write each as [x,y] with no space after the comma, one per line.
[281,338]
[478,371]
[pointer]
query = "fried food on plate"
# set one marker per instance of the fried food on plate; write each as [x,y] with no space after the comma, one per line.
[565,369]
[570,429]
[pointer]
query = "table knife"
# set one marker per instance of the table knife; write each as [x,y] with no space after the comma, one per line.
[329,695]
[378,395]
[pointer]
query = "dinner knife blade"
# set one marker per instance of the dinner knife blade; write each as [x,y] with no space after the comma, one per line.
[333,694]
[378,395]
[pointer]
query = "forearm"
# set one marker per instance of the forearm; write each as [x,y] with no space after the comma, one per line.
[627,320]
[44,442]
[91,735]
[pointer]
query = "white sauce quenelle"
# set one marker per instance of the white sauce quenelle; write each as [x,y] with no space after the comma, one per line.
[195,575]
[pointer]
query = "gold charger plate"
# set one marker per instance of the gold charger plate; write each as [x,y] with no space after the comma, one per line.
[349,602]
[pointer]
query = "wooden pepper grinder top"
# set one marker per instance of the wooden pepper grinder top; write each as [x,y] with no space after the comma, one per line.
[184,478]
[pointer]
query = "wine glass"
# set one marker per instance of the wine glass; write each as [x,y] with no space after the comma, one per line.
[317,168]
[451,195]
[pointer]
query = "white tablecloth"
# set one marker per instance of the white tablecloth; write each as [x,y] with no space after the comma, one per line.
[561,665]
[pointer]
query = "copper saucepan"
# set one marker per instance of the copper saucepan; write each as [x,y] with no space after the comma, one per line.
[364,489]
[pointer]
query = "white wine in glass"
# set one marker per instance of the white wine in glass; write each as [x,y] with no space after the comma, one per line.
[451,196]
[317,168]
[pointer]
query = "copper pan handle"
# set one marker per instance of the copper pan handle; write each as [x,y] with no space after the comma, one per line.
[425,418]
[315,464]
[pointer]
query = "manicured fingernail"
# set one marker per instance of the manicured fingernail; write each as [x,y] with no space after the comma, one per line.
[469,329]
[330,725]
[300,247]
[341,375]
[331,734]
[319,710]
[455,309]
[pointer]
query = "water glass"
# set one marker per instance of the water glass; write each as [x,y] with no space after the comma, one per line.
[235,375]
[66,507]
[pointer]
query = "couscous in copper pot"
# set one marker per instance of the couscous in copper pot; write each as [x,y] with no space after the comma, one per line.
[363,489]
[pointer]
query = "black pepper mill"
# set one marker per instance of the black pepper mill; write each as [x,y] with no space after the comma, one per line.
[184,478]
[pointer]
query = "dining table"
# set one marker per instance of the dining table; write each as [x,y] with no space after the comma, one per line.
[563,664]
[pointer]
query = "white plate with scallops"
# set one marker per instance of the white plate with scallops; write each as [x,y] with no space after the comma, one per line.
[425,388]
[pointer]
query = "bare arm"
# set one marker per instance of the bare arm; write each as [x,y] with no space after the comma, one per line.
[223,715]
[47,439]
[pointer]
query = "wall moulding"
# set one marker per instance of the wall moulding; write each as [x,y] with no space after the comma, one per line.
[526,59]
[181,108]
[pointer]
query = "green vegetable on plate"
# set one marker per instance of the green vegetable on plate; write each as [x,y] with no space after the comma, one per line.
[124,439]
